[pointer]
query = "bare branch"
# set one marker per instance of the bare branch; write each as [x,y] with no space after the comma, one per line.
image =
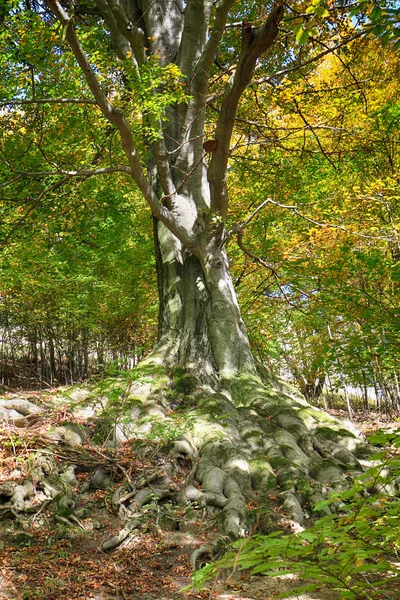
[48,101]
[207,58]
[200,74]
[264,264]
[254,256]
[239,228]
[254,213]
[311,128]
[81,173]
[184,180]
[10,181]
[125,35]
[35,202]
[346,41]
[354,78]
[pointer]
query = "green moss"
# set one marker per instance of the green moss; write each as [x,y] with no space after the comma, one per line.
[262,474]
[244,389]
[304,487]
[295,456]
[251,434]
[279,462]
[365,451]
[183,382]
[333,434]
[307,413]
[286,481]
[327,472]
[220,451]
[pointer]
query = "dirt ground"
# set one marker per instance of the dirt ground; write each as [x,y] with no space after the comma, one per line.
[148,568]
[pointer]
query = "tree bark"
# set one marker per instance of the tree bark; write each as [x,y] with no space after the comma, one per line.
[200,327]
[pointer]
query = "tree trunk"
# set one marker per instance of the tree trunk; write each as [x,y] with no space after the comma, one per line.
[200,327]
[252,434]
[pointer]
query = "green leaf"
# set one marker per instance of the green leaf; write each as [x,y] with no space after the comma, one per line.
[375,14]
[323,504]
[302,36]
[322,12]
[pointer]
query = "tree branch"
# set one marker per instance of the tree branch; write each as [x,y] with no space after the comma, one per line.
[207,58]
[116,117]
[311,128]
[127,35]
[35,202]
[81,173]
[311,60]
[10,181]
[264,264]
[239,228]
[48,101]
[255,41]
[197,16]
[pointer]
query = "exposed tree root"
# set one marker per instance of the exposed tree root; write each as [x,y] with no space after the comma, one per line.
[254,452]
[248,443]
[19,411]
[259,443]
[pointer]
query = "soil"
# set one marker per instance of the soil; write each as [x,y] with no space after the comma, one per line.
[48,559]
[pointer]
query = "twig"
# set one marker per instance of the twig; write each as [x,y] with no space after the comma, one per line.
[313,59]
[264,264]
[45,503]
[81,173]
[239,228]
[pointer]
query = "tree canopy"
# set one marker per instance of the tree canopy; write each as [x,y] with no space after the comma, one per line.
[315,133]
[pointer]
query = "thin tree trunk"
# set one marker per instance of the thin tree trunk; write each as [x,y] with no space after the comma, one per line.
[52,358]
[365,389]
[342,380]
[397,387]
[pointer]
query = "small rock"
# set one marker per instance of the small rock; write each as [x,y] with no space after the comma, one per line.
[100,480]
[71,433]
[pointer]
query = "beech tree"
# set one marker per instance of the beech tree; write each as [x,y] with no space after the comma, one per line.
[167,79]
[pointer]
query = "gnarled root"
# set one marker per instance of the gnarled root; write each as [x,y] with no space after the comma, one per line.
[271,450]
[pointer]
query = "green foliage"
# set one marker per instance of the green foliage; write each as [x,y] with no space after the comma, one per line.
[381,17]
[334,254]
[355,552]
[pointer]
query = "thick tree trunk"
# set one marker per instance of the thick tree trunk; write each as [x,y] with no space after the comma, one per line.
[200,327]
[248,435]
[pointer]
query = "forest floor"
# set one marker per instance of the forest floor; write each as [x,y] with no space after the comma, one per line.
[42,558]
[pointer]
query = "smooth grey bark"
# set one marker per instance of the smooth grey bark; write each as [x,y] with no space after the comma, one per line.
[180,192]
[200,327]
